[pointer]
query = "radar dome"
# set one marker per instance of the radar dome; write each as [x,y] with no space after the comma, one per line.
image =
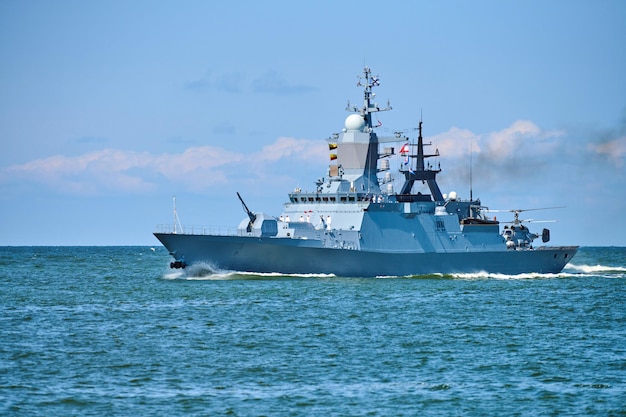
[354,122]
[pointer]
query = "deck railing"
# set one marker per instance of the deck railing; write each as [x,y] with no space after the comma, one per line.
[197,230]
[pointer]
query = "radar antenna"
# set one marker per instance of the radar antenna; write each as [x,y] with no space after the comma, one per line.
[368,81]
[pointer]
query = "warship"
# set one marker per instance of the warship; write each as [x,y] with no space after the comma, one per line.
[357,224]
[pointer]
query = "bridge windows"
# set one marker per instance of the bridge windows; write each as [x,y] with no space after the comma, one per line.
[310,198]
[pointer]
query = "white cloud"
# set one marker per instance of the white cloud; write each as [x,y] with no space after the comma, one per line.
[197,168]
[195,160]
[522,139]
[455,143]
[615,150]
[287,147]
[104,169]
[500,157]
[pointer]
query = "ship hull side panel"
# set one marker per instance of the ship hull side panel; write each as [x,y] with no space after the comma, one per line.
[291,256]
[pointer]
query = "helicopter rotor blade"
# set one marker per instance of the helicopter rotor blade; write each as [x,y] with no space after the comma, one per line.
[522,210]
[519,221]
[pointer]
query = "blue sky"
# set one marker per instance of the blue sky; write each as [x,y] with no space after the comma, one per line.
[109,109]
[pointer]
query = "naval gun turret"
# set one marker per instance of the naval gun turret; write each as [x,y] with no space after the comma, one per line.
[257,224]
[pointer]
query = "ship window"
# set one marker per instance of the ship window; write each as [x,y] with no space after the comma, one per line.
[440,225]
[310,198]
[333,199]
[350,198]
[325,199]
[344,199]
[318,199]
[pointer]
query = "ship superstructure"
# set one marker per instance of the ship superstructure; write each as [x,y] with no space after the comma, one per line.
[358,223]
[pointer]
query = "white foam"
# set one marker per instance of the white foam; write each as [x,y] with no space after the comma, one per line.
[174,274]
[204,271]
[594,269]
[528,275]
[277,274]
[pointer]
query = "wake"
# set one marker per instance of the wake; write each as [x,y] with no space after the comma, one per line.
[597,269]
[206,272]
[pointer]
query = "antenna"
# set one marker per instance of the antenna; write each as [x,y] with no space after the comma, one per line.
[470,173]
[176,219]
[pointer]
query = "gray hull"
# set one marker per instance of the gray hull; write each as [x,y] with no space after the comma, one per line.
[286,256]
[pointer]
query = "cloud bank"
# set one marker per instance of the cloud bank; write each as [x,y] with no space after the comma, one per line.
[196,169]
[520,149]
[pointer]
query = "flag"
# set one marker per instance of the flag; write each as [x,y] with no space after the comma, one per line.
[404,149]
[332,146]
[333,156]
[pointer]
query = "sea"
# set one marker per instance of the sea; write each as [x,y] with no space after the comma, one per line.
[113,331]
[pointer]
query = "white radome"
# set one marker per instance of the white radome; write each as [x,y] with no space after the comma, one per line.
[354,122]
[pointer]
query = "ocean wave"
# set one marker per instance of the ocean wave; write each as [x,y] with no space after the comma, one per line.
[528,275]
[595,269]
[570,271]
[481,275]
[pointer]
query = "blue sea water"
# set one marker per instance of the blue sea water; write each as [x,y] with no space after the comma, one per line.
[113,331]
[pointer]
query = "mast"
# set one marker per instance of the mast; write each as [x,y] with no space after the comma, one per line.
[421,172]
[368,81]
[353,166]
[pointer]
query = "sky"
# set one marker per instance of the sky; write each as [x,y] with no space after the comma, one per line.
[109,109]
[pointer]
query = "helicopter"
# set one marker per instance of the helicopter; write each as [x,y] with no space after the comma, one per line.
[517,236]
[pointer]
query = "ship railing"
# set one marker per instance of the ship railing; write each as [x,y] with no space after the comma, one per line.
[197,230]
